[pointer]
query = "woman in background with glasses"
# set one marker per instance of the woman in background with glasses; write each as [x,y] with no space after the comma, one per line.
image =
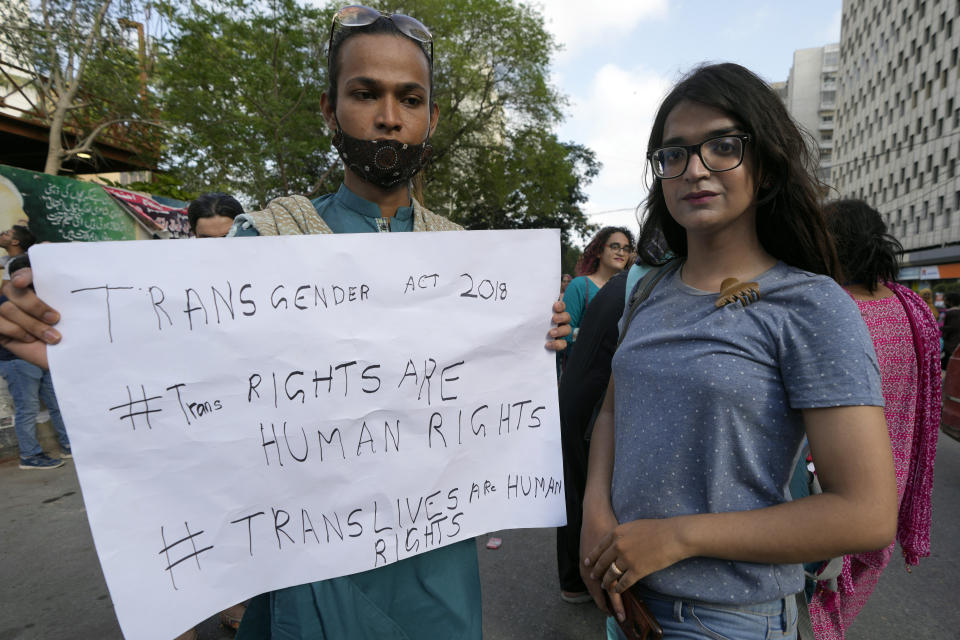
[604,257]
[744,345]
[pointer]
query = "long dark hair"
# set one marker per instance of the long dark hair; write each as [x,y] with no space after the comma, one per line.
[590,258]
[868,253]
[790,223]
[382,25]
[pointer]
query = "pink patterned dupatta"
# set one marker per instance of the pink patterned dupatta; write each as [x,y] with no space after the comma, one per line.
[914,521]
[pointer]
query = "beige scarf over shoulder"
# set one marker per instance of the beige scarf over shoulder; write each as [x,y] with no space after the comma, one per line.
[295,215]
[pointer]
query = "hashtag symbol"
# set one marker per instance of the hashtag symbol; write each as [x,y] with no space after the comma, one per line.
[193,545]
[142,408]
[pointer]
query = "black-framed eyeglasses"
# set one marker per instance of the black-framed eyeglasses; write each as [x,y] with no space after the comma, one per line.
[357,15]
[616,247]
[722,153]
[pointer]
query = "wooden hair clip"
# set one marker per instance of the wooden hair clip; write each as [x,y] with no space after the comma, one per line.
[732,290]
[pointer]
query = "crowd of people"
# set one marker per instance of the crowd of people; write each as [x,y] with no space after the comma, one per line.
[754,326]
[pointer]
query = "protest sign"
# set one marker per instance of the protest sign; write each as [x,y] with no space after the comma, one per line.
[248,414]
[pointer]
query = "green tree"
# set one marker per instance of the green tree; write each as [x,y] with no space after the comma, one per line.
[242,83]
[84,81]
[529,181]
[569,256]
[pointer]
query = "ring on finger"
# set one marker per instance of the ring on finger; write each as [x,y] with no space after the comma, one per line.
[617,571]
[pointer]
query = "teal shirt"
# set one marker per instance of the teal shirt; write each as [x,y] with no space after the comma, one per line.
[346,212]
[576,297]
[432,595]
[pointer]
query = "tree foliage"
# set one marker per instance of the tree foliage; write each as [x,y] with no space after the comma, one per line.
[498,163]
[84,76]
[569,256]
[242,81]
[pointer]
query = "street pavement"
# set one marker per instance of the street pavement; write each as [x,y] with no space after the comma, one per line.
[52,587]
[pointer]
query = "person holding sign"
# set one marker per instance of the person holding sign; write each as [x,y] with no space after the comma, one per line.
[379,105]
[742,346]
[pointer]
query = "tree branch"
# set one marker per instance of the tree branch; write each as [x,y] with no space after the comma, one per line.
[87,143]
[323,178]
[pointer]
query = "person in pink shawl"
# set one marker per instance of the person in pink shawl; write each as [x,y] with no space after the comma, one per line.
[907,341]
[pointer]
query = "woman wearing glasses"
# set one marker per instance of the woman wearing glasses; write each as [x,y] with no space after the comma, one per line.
[604,257]
[717,381]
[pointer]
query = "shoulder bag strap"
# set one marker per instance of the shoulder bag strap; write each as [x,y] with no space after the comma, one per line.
[643,289]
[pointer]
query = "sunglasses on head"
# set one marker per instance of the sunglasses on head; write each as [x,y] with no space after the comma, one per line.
[357,15]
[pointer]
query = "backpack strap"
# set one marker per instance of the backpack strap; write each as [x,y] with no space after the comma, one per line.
[642,291]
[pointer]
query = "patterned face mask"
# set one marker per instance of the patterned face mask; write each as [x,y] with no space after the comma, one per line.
[385,163]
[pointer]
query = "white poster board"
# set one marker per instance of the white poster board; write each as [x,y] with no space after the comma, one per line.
[249,414]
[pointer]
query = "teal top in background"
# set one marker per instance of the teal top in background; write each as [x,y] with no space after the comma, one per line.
[432,595]
[636,272]
[578,293]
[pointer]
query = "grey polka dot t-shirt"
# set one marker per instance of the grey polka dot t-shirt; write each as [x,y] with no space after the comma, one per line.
[708,413]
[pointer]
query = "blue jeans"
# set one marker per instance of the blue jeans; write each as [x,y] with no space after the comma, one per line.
[692,620]
[27,383]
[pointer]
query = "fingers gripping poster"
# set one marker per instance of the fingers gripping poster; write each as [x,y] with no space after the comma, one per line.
[249,414]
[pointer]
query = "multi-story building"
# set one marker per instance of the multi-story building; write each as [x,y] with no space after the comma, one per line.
[811,98]
[898,124]
[780,88]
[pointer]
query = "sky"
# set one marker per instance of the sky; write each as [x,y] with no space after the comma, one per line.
[617,62]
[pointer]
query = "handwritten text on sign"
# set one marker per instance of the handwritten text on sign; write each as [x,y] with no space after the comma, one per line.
[253,413]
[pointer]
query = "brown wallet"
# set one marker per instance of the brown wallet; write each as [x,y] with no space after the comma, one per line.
[639,623]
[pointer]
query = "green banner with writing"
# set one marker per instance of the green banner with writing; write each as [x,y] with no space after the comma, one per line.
[62,209]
